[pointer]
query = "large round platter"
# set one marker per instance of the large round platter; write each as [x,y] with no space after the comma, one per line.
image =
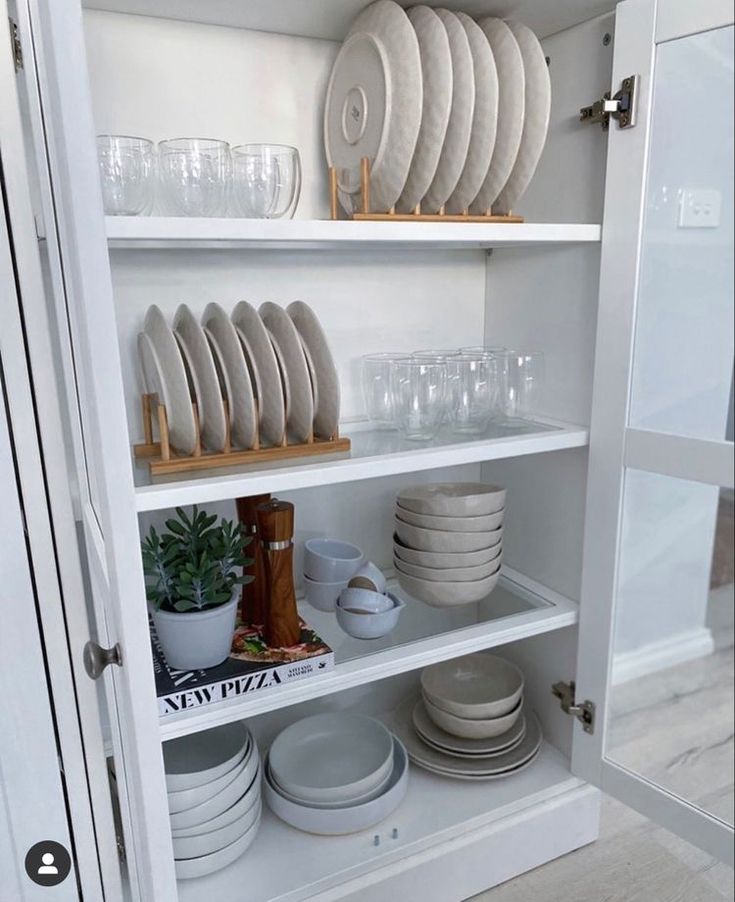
[296,377]
[374,101]
[457,140]
[172,379]
[324,375]
[242,397]
[187,868]
[484,118]
[465,748]
[436,68]
[266,373]
[536,118]
[511,107]
[198,353]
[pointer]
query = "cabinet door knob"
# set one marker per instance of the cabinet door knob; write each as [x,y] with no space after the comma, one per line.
[96,658]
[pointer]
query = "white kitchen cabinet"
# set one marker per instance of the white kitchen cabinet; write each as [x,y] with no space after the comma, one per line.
[574,280]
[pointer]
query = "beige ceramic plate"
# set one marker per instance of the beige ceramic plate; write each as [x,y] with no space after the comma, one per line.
[325,379]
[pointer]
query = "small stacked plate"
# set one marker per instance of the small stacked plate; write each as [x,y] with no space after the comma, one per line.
[335,773]
[447,546]
[255,375]
[214,799]
[470,721]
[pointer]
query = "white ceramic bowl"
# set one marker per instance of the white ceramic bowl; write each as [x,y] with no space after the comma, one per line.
[207,843]
[445,559]
[369,576]
[189,868]
[451,524]
[331,757]
[349,803]
[453,499]
[199,758]
[337,821]
[472,729]
[449,575]
[473,686]
[365,600]
[438,540]
[367,625]
[447,595]
[181,799]
[233,813]
[322,596]
[331,560]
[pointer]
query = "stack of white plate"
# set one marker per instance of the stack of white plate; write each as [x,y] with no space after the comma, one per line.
[335,773]
[447,547]
[451,112]
[470,722]
[214,801]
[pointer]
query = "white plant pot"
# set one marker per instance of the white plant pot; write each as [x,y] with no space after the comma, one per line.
[198,639]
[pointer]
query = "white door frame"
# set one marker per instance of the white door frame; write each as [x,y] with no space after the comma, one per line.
[614,446]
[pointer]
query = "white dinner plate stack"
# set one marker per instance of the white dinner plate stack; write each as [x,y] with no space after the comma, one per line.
[470,722]
[254,375]
[451,112]
[335,773]
[448,541]
[214,798]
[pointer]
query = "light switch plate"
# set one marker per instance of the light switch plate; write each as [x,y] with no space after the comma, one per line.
[699,208]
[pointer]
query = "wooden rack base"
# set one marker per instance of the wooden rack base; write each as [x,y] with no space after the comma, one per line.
[365,214]
[162,458]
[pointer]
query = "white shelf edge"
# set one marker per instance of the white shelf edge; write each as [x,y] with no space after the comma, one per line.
[562,612]
[160,232]
[223,487]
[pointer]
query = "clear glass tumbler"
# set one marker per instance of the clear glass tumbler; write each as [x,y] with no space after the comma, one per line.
[521,380]
[195,175]
[419,390]
[473,388]
[440,355]
[127,167]
[267,180]
[376,388]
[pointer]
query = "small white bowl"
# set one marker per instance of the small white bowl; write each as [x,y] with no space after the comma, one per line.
[451,524]
[322,596]
[447,595]
[367,625]
[474,686]
[331,560]
[369,577]
[365,600]
[449,575]
[472,729]
[439,540]
[454,499]
[445,559]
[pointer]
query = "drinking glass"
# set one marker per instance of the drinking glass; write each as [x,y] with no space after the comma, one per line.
[521,378]
[376,388]
[267,181]
[419,390]
[127,168]
[194,174]
[473,389]
[440,355]
[484,349]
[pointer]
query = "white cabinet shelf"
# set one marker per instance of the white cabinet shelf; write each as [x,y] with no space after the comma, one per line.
[518,608]
[374,453]
[312,234]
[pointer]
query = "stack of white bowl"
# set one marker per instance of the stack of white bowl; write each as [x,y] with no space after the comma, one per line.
[214,799]
[329,564]
[447,546]
[335,773]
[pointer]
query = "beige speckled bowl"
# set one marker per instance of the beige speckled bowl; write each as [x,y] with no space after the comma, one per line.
[474,686]
[447,595]
[451,524]
[472,729]
[439,540]
[450,574]
[445,559]
[453,499]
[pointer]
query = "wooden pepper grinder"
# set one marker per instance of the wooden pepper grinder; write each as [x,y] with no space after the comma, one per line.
[275,529]
[254,597]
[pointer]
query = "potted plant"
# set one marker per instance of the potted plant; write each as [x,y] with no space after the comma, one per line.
[191,575]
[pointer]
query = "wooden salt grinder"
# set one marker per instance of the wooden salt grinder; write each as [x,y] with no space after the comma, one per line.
[255,594]
[275,529]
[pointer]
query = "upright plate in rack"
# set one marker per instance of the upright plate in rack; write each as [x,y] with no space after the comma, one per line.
[457,140]
[457,746]
[196,349]
[172,379]
[511,107]
[232,359]
[297,381]
[536,119]
[323,371]
[266,372]
[436,69]
[373,105]
[484,118]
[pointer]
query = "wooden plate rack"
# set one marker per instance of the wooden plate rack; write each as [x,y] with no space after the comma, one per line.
[365,213]
[162,458]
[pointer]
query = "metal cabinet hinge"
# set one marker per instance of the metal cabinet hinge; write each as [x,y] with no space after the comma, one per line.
[96,658]
[15,44]
[583,711]
[621,106]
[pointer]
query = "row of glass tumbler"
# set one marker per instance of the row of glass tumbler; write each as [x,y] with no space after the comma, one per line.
[466,388]
[198,177]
